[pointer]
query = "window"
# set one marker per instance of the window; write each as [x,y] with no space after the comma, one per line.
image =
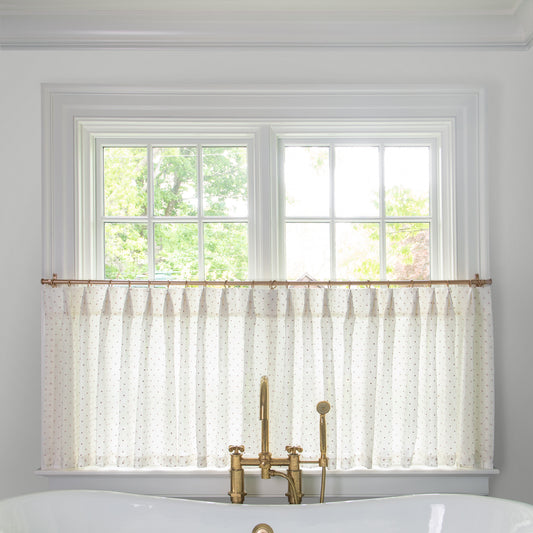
[272,124]
[363,207]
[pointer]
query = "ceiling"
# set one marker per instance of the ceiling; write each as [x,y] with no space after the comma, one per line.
[504,24]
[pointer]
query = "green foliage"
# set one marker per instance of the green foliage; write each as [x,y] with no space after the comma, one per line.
[126,251]
[226,251]
[224,193]
[403,202]
[176,247]
[408,250]
[225,181]
[175,177]
[125,181]
[407,243]
[175,195]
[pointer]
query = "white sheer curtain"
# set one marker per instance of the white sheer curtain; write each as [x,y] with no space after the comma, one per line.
[169,377]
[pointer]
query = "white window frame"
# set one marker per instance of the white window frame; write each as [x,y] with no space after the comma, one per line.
[443,265]
[74,116]
[90,264]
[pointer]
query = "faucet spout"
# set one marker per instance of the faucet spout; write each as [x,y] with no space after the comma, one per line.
[263,414]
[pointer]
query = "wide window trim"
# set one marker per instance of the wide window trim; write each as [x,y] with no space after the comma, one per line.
[72,114]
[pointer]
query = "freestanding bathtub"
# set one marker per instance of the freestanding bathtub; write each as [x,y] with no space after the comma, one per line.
[113,512]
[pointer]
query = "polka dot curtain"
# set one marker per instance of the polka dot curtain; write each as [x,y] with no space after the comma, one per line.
[169,377]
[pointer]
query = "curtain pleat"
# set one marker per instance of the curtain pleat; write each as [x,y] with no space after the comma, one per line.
[169,377]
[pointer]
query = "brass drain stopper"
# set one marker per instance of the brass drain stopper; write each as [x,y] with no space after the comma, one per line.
[262,528]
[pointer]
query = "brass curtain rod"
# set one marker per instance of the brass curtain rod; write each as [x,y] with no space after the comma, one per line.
[476,282]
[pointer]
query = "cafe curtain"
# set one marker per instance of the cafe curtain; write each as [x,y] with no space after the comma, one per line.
[168,377]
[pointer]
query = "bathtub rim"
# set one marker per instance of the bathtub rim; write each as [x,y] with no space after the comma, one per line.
[440,497]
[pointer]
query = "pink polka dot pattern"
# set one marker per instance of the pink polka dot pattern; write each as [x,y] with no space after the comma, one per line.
[169,377]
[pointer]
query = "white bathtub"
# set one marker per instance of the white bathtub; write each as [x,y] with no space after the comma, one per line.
[113,512]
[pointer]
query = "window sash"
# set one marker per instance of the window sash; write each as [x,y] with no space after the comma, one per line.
[265,209]
[150,219]
[433,218]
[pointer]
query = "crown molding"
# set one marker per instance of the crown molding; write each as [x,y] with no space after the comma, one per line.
[97,30]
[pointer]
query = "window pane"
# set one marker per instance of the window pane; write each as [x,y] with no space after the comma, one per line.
[126,251]
[176,251]
[408,251]
[125,181]
[357,251]
[306,175]
[226,251]
[175,182]
[407,181]
[307,250]
[356,181]
[225,171]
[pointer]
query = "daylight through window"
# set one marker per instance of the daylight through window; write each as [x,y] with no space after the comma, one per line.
[334,206]
[357,212]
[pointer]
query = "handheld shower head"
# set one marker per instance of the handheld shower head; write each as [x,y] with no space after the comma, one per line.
[323,407]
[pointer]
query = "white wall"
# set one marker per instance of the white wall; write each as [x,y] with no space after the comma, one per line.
[508,80]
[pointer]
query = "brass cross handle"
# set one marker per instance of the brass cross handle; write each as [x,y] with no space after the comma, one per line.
[293,450]
[236,450]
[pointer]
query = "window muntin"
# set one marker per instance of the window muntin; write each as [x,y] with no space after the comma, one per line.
[178,211]
[357,211]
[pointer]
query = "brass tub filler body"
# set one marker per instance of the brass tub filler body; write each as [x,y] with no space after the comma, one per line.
[265,461]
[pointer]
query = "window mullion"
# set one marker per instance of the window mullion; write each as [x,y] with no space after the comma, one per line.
[150,214]
[200,185]
[332,232]
[280,202]
[382,224]
[268,215]
[99,265]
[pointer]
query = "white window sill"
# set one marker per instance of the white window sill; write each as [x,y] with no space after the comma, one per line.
[214,484]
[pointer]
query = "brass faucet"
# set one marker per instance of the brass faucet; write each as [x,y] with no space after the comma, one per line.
[265,461]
